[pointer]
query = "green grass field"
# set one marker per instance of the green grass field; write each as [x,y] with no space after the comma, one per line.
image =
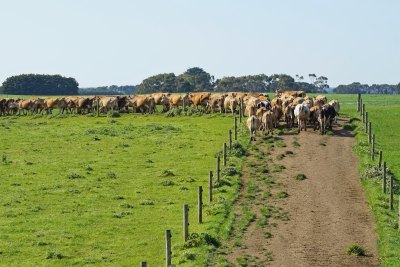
[84,190]
[79,190]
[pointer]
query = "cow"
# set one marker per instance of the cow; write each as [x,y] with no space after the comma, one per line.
[108,103]
[267,122]
[230,103]
[199,99]
[302,113]
[326,117]
[165,103]
[288,113]
[142,103]
[25,105]
[52,103]
[320,100]
[253,124]
[217,101]
[314,116]
[335,104]
[176,100]
[251,105]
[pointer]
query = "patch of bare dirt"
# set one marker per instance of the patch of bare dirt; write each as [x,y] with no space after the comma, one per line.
[312,221]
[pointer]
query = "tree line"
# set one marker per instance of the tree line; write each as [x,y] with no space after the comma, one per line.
[358,88]
[196,79]
[39,84]
[192,80]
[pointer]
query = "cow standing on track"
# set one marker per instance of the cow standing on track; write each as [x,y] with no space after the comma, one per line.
[253,124]
[302,113]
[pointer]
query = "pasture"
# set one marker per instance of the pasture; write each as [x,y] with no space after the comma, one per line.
[81,190]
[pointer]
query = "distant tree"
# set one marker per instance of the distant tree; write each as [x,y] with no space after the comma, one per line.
[40,84]
[198,79]
[312,77]
[165,82]
[321,83]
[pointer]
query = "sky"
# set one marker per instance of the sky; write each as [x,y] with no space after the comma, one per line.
[122,42]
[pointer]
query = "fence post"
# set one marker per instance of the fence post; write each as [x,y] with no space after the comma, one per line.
[185,222]
[235,128]
[363,113]
[210,185]
[230,140]
[361,107]
[168,252]
[358,102]
[224,152]
[242,103]
[98,107]
[380,159]
[369,132]
[200,200]
[240,111]
[399,214]
[384,178]
[218,168]
[143,264]
[366,122]
[373,148]
[391,193]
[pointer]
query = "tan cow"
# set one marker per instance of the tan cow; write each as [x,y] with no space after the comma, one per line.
[200,99]
[230,103]
[217,101]
[253,123]
[267,122]
[25,105]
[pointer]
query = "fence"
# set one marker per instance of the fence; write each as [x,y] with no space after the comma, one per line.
[361,108]
[186,230]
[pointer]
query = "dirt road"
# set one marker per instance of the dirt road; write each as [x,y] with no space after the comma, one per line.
[311,222]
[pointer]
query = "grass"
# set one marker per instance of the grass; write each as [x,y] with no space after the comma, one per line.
[300,177]
[356,250]
[108,200]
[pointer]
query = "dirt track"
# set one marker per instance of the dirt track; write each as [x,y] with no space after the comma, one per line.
[326,212]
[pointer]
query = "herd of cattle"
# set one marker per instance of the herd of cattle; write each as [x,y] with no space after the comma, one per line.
[264,114]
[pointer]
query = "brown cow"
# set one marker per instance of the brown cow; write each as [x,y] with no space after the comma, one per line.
[253,124]
[199,99]
[217,101]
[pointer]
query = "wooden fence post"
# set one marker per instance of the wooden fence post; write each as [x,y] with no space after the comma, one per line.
[391,193]
[361,107]
[168,252]
[399,214]
[185,222]
[235,128]
[380,159]
[143,264]
[384,178]
[366,122]
[373,148]
[363,113]
[218,168]
[240,111]
[242,104]
[210,186]
[358,102]
[369,132]
[200,202]
[224,153]
[98,107]
[230,140]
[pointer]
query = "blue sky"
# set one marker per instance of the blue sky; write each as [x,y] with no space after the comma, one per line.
[122,42]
